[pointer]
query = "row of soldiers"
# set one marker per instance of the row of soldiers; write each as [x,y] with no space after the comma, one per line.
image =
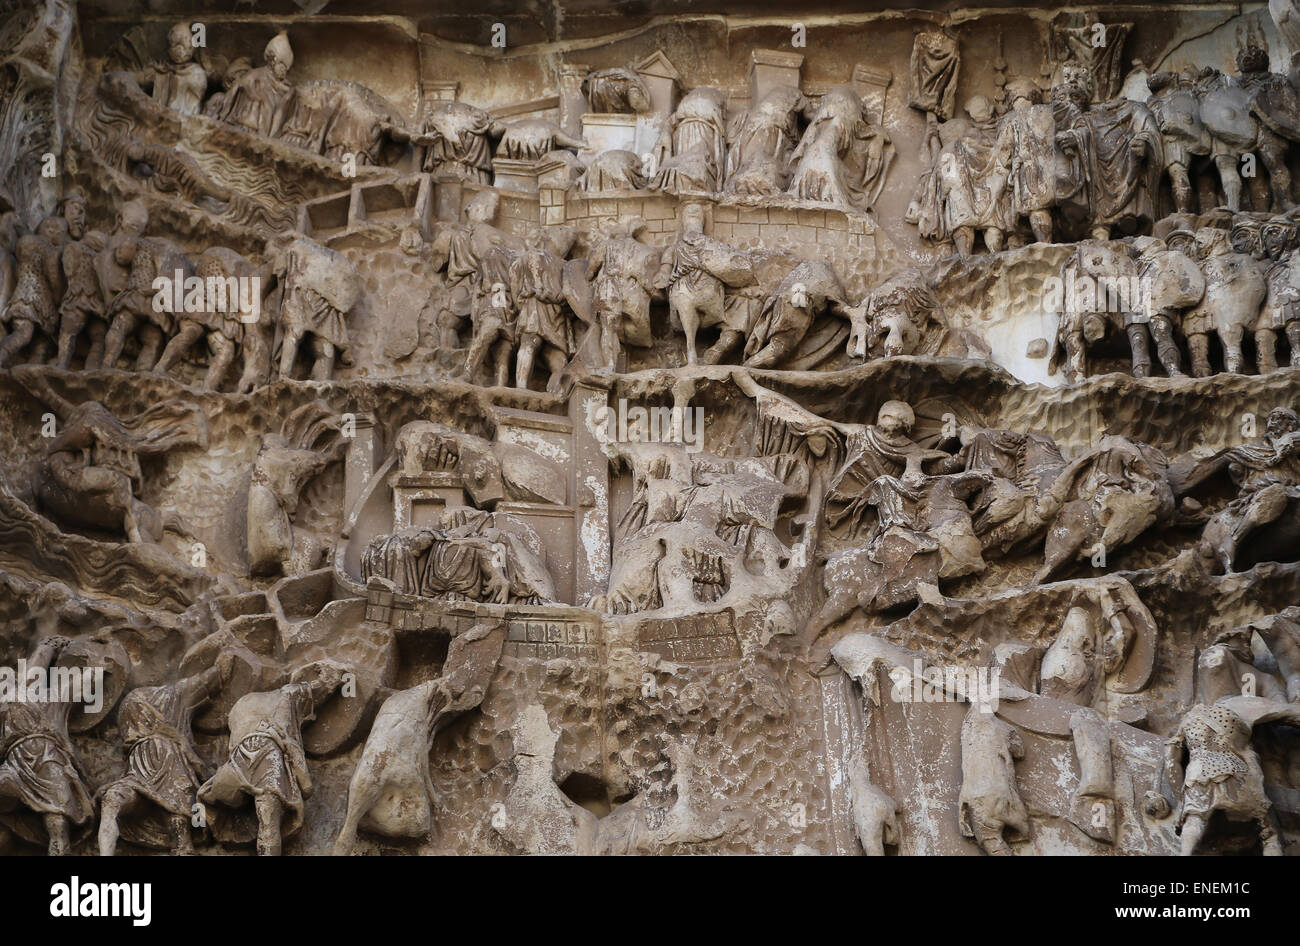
[1231,278]
[65,281]
[525,295]
[1065,163]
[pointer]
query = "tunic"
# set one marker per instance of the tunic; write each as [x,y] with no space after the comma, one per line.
[1222,771]
[39,767]
[266,755]
[537,280]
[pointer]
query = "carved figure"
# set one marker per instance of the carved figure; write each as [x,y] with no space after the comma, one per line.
[267,762]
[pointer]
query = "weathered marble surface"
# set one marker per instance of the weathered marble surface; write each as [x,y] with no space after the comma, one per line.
[697,433]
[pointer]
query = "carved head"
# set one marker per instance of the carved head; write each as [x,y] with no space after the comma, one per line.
[1252,59]
[895,417]
[180,43]
[1216,674]
[1076,84]
[1182,240]
[1211,241]
[73,207]
[50,229]
[692,219]
[279,55]
[979,108]
[483,208]
[1159,81]
[638,96]
[1278,235]
[782,100]
[132,218]
[1023,93]
[1246,236]
[1281,422]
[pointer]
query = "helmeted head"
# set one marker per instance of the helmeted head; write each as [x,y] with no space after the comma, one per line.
[1246,236]
[180,43]
[895,417]
[1211,241]
[279,55]
[1182,240]
[1278,236]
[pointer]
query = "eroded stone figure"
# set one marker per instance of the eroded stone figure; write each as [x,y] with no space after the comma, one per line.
[152,804]
[701,269]
[531,139]
[391,791]
[1082,667]
[990,807]
[1211,763]
[267,763]
[697,159]
[457,140]
[1113,155]
[622,270]
[179,82]
[82,307]
[308,442]
[90,476]
[320,287]
[955,197]
[1267,475]
[1235,290]
[1279,251]
[615,169]
[758,164]
[1022,167]
[33,306]
[255,100]
[469,555]
[842,158]
[1173,283]
[544,325]
[1177,110]
[807,291]
[1101,292]
[43,793]
[458,250]
[142,310]
[231,319]
[616,90]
